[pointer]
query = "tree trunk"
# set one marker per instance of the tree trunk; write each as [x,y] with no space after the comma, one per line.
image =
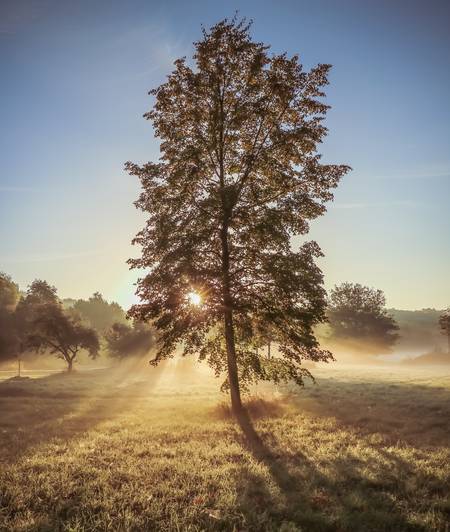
[69,365]
[227,205]
[233,377]
[268,349]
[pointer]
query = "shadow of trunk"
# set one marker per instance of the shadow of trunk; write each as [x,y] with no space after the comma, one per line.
[285,481]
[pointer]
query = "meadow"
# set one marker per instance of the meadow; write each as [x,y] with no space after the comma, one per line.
[139,448]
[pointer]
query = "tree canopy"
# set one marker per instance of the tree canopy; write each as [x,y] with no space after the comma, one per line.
[18,315]
[9,293]
[39,323]
[99,313]
[123,340]
[62,333]
[9,296]
[39,294]
[239,175]
[357,312]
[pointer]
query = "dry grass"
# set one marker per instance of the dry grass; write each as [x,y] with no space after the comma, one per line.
[362,450]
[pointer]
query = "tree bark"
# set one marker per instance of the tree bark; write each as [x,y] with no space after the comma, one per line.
[69,365]
[233,377]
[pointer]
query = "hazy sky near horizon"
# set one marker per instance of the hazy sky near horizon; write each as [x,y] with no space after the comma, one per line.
[74,83]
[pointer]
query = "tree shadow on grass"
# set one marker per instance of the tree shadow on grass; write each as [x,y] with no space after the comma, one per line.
[411,413]
[281,475]
[299,495]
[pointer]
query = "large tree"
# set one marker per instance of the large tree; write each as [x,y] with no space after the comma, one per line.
[239,175]
[444,324]
[357,313]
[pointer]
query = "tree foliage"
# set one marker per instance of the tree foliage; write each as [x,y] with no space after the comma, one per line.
[9,293]
[239,175]
[40,323]
[99,313]
[357,312]
[38,296]
[123,340]
[9,296]
[62,333]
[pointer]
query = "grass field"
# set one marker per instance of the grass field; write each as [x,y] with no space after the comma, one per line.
[363,449]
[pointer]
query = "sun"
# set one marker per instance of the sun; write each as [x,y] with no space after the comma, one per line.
[194,298]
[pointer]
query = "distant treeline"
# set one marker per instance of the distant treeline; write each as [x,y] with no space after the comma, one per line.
[402,330]
[419,329]
[37,322]
[359,322]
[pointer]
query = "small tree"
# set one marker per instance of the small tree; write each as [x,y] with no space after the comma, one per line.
[239,175]
[123,340]
[357,312]
[62,334]
[444,324]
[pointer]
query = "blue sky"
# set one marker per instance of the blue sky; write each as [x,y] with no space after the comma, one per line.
[74,83]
